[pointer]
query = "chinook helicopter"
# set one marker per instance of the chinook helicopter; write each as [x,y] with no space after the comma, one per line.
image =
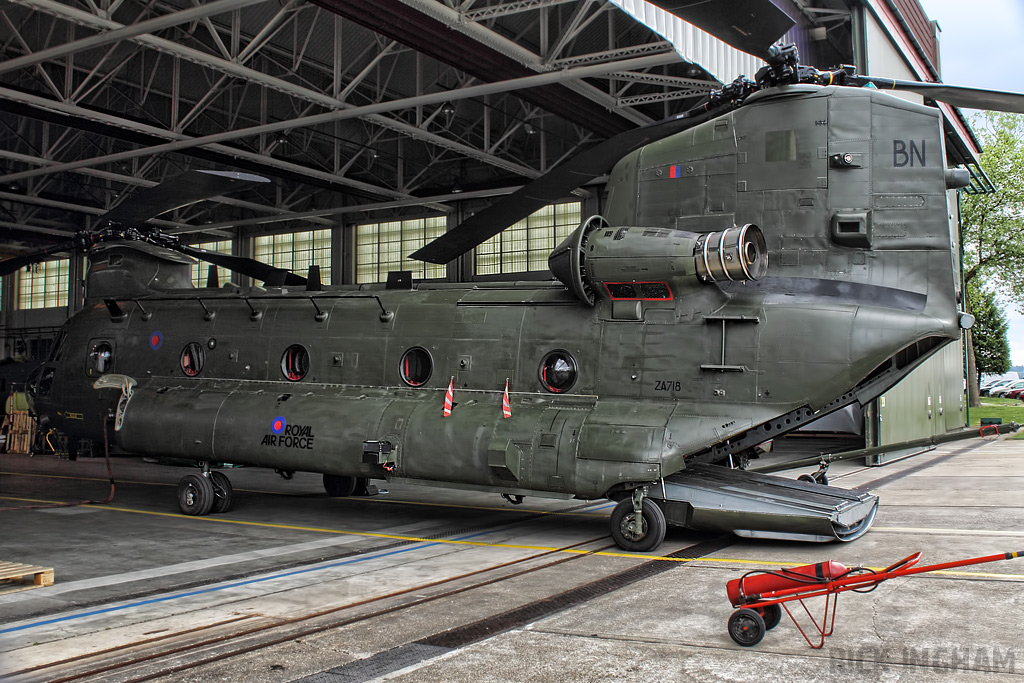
[778,252]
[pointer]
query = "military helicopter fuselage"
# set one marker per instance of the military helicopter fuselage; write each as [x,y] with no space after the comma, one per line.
[764,267]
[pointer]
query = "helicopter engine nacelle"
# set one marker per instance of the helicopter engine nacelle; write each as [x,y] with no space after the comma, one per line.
[654,263]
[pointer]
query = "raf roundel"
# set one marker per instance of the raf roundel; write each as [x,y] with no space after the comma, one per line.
[156,340]
[277,426]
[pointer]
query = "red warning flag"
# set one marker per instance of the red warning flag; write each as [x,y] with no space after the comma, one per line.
[506,409]
[448,396]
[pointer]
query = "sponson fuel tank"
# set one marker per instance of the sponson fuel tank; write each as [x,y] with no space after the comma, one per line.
[383,432]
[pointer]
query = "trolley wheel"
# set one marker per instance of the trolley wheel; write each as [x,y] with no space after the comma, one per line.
[746,627]
[772,615]
[808,478]
[195,495]
[652,526]
[221,491]
[822,479]
[339,486]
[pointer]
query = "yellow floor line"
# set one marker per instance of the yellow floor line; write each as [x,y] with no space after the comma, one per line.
[714,561]
[367,499]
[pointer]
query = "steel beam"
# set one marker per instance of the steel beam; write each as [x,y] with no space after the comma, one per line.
[507,47]
[182,142]
[142,182]
[122,33]
[245,73]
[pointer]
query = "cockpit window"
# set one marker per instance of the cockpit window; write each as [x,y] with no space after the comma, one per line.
[58,347]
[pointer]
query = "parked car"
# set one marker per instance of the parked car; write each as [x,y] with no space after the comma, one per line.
[1003,390]
[987,391]
[1014,393]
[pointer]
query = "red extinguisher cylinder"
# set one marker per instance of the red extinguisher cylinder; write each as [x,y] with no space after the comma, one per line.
[750,587]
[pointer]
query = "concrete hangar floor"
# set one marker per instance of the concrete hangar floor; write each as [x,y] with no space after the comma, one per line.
[423,584]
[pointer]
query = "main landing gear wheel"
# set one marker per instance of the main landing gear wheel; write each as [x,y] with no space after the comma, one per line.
[338,486]
[195,494]
[652,531]
[746,627]
[221,491]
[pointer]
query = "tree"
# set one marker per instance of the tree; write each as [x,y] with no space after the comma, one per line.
[993,223]
[991,347]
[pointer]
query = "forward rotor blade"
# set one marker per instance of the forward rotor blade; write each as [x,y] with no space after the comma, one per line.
[188,188]
[748,25]
[257,270]
[958,96]
[551,186]
[14,263]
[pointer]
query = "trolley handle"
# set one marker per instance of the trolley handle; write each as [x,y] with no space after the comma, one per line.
[909,561]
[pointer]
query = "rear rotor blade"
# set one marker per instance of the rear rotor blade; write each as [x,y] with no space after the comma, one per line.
[748,25]
[958,96]
[257,270]
[550,187]
[188,188]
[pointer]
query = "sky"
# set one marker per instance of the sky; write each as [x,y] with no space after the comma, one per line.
[980,46]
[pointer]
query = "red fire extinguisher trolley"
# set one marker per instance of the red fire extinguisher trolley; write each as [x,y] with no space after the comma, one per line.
[761,596]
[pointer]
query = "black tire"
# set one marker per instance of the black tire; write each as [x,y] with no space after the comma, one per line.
[808,478]
[653,524]
[339,486]
[822,479]
[746,627]
[195,495]
[222,492]
[772,615]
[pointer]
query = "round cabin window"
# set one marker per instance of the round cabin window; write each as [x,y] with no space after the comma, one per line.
[295,362]
[558,372]
[416,366]
[101,358]
[193,357]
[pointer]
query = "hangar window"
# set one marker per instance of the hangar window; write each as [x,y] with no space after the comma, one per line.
[525,245]
[43,284]
[383,247]
[200,269]
[193,357]
[101,358]
[558,372]
[297,251]
[416,366]
[295,362]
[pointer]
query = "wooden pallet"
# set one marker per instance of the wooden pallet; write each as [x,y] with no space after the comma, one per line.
[21,432]
[25,573]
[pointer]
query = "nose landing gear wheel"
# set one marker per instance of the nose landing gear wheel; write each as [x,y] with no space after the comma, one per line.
[746,627]
[652,526]
[195,495]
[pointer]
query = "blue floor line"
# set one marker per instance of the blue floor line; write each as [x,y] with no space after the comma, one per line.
[236,584]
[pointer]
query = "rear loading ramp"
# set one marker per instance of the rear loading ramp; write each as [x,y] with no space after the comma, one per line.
[714,498]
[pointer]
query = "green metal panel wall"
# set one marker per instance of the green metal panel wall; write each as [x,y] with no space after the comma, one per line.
[927,402]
